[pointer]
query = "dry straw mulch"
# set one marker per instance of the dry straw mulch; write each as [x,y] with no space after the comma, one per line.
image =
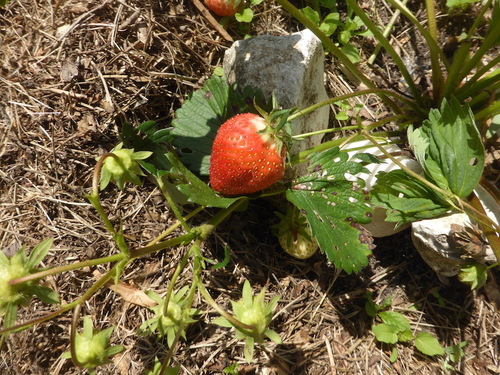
[71,73]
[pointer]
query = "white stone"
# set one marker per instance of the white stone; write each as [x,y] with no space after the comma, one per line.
[291,66]
[435,240]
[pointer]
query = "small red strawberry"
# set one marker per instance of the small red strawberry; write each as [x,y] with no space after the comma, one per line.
[223,7]
[247,156]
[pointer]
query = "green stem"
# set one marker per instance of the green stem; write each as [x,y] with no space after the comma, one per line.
[172,204]
[72,337]
[94,198]
[488,42]
[436,53]
[417,95]
[302,156]
[176,225]
[231,319]
[431,19]
[68,267]
[380,92]
[330,46]
[88,294]
[386,33]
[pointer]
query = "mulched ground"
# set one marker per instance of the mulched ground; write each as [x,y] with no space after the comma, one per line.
[71,73]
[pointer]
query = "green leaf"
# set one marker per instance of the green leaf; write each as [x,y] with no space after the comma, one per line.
[473,274]
[197,121]
[332,204]
[330,23]
[399,321]
[394,355]
[428,344]
[45,294]
[455,352]
[246,15]
[38,253]
[406,198]
[147,137]
[351,52]
[10,316]
[449,147]
[459,3]
[197,190]
[311,14]
[385,333]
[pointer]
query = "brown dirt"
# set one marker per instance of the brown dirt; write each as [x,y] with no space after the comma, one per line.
[71,73]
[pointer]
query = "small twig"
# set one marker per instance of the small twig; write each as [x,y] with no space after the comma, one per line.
[205,12]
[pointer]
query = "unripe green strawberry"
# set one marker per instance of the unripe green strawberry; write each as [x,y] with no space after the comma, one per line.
[247,156]
[294,234]
[223,7]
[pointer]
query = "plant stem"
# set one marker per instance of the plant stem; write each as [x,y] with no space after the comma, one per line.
[417,96]
[386,33]
[176,225]
[330,46]
[68,267]
[88,294]
[94,198]
[302,156]
[72,336]
[329,101]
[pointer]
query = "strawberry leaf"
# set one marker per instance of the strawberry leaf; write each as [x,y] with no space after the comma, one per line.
[405,198]
[449,147]
[197,121]
[147,137]
[195,189]
[331,204]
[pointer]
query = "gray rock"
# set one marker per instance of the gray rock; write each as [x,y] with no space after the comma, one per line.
[291,66]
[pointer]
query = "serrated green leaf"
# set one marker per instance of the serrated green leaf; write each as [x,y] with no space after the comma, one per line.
[428,344]
[38,253]
[405,198]
[473,274]
[197,121]
[385,333]
[331,204]
[196,190]
[449,147]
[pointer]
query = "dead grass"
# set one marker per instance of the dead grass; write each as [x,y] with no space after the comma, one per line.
[70,74]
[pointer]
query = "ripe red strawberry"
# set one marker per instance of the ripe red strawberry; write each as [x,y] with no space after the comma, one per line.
[246,156]
[223,7]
